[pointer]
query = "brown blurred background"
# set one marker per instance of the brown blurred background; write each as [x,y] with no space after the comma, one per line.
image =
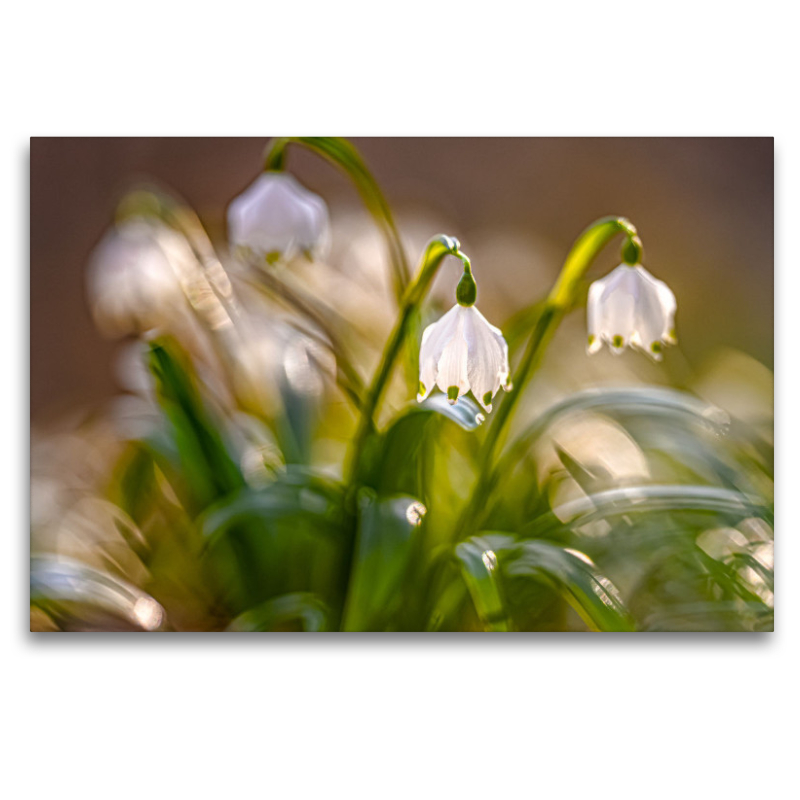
[703,207]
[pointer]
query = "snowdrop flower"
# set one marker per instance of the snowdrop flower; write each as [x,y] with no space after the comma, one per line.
[276,218]
[134,277]
[463,352]
[631,307]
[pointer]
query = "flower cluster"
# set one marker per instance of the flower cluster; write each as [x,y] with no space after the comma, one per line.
[276,218]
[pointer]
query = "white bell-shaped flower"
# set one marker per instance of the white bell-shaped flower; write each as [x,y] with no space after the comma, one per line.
[463,352]
[134,277]
[631,307]
[277,218]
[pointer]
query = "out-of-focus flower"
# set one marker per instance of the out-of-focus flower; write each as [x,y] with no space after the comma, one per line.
[272,354]
[134,277]
[276,218]
[463,352]
[631,307]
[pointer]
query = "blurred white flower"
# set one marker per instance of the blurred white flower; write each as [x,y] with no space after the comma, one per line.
[277,218]
[463,352]
[134,279]
[271,354]
[631,307]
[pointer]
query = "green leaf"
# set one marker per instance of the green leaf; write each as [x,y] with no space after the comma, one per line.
[382,554]
[295,492]
[466,412]
[686,411]
[290,536]
[395,459]
[65,587]
[580,473]
[717,616]
[208,468]
[574,577]
[646,499]
[478,561]
[275,614]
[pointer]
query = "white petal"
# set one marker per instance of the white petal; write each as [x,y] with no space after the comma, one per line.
[669,306]
[656,315]
[434,339]
[452,366]
[427,379]
[618,304]
[650,318]
[487,366]
[437,334]
[594,315]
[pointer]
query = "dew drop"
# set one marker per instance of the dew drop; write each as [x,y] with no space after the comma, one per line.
[489,560]
[415,512]
[148,613]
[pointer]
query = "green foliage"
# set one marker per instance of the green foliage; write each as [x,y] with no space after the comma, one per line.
[384,543]
[399,455]
[614,510]
[203,457]
[302,552]
[286,612]
[478,565]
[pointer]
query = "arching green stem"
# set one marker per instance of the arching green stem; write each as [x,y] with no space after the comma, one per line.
[438,248]
[583,252]
[343,155]
[561,298]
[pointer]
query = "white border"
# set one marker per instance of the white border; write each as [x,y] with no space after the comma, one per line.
[651,717]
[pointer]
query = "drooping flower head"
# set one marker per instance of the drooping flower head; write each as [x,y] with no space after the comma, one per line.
[629,307]
[276,218]
[462,352]
[134,277]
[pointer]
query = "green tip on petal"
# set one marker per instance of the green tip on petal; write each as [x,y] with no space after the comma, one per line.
[617,341]
[591,339]
[452,393]
[656,347]
[487,398]
[421,387]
